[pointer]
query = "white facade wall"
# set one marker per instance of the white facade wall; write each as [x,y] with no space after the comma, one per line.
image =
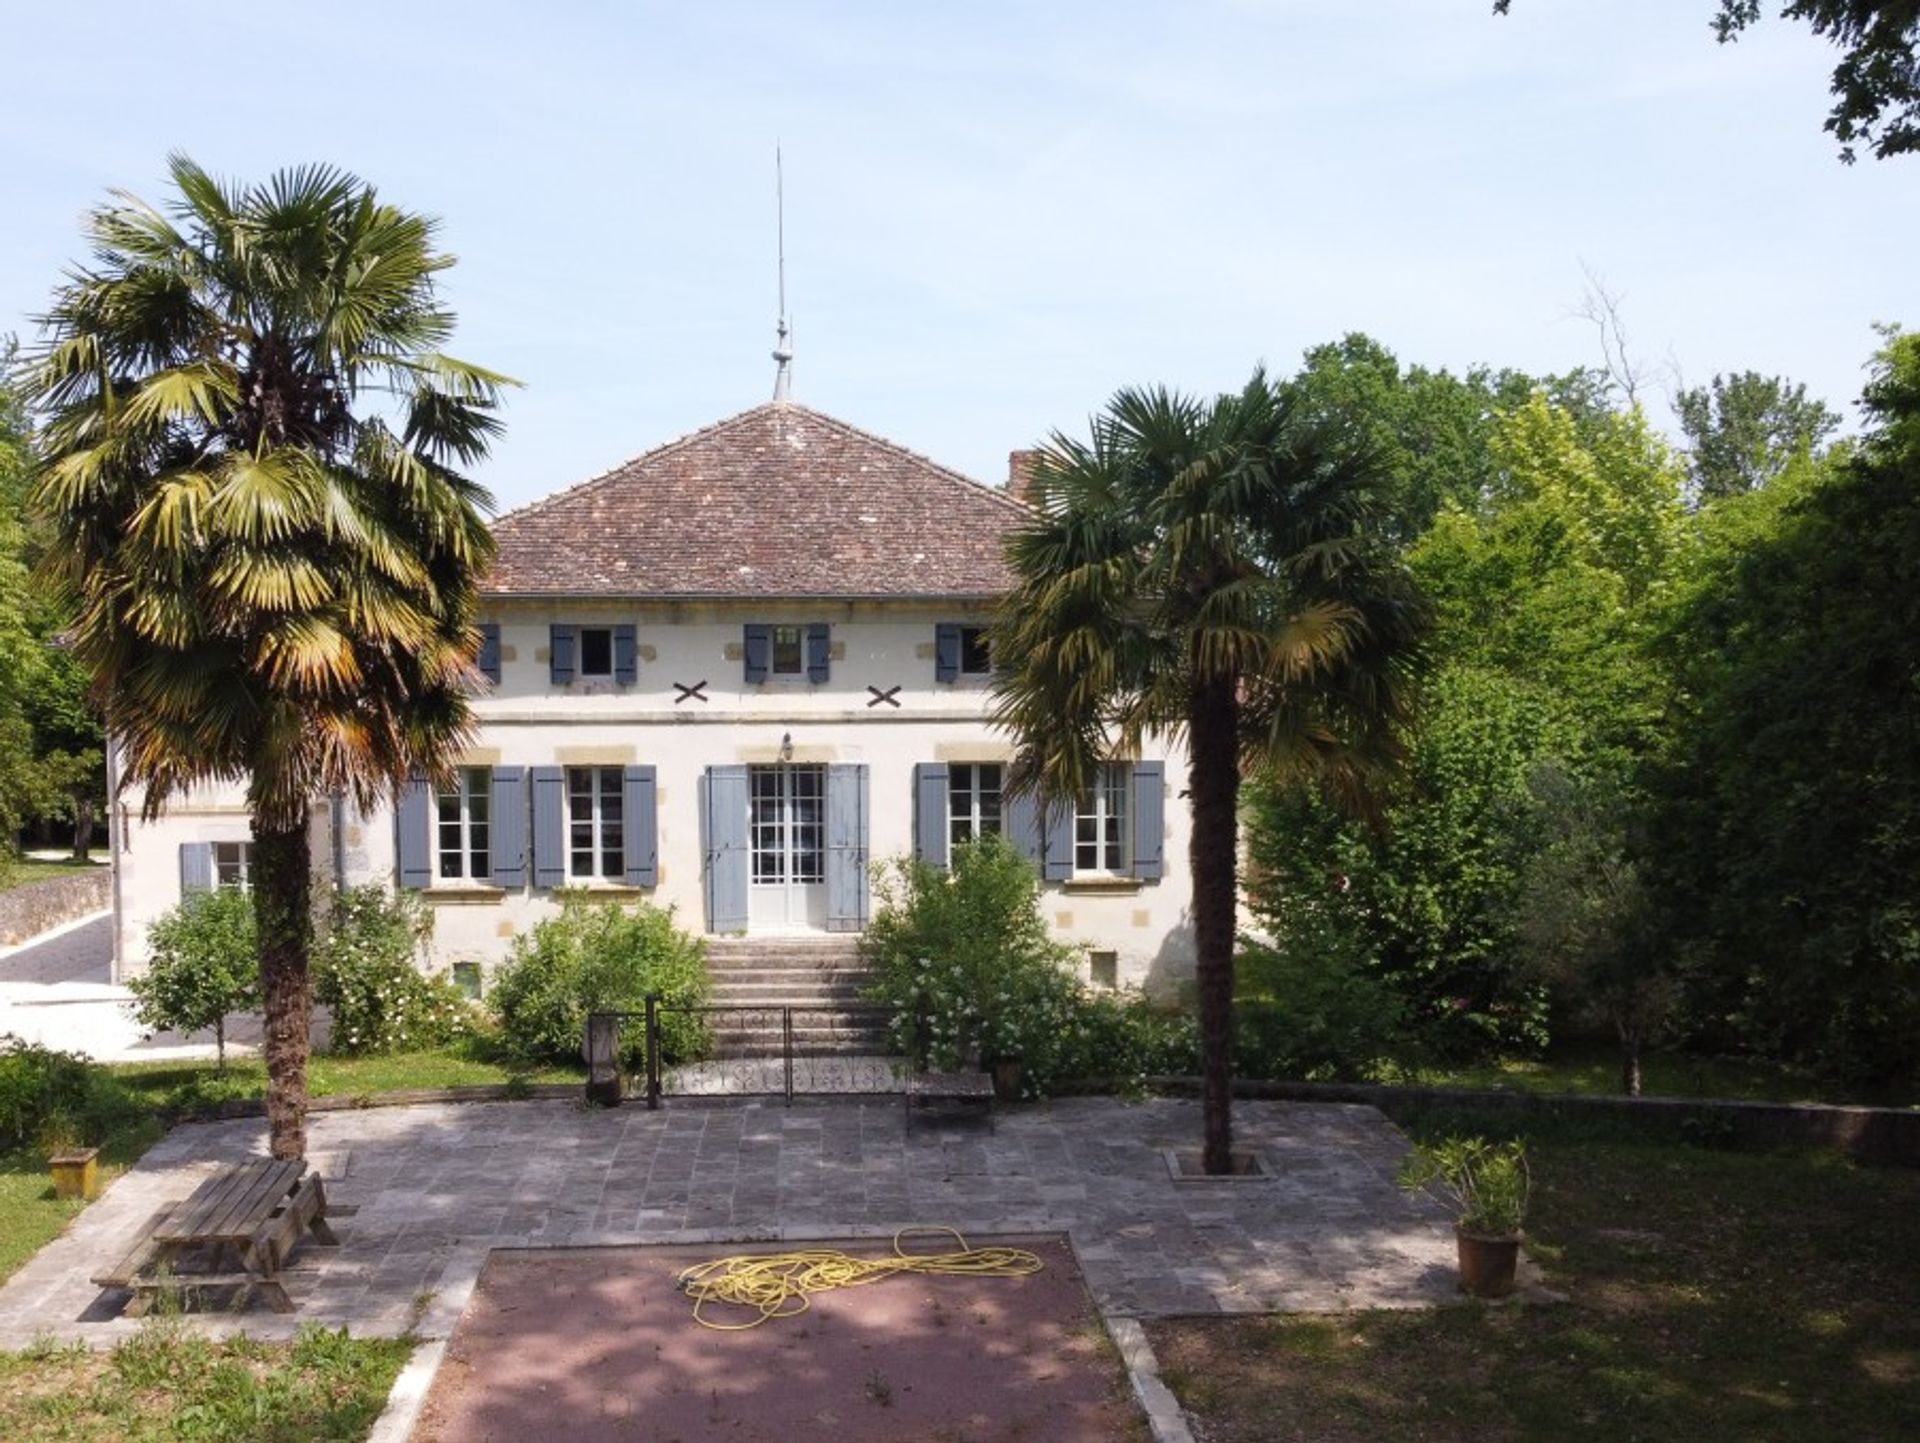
[527,721]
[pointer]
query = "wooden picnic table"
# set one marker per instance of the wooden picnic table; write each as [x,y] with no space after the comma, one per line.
[243,1221]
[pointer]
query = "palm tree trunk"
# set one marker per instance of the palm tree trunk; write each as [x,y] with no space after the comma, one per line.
[282,910]
[1213,773]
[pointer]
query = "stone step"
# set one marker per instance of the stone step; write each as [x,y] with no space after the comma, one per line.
[785,973]
[780,952]
[760,991]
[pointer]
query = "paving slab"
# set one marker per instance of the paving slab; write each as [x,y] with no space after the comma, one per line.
[435,1188]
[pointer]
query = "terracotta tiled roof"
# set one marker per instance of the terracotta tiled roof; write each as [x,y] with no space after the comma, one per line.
[776,501]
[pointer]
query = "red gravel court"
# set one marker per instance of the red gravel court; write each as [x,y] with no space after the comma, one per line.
[580,1345]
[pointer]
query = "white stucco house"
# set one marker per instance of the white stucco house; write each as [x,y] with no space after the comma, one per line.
[727,676]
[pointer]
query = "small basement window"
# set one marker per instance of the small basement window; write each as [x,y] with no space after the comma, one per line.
[466,980]
[596,651]
[1104,969]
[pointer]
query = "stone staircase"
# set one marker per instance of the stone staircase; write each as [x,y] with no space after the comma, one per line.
[822,975]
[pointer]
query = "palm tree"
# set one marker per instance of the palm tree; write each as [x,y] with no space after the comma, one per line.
[1205,571]
[249,463]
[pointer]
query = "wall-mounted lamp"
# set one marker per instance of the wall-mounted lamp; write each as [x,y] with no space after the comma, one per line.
[786,747]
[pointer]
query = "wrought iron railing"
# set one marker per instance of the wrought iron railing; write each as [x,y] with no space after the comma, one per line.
[749,1051]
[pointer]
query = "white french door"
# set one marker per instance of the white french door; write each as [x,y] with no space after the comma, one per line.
[787,890]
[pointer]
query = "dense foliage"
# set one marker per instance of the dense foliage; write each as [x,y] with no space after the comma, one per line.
[1662,784]
[203,965]
[367,970]
[1789,813]
[47,1095]
[601,956]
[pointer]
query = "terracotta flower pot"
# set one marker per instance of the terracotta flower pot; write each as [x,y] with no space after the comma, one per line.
[76,1173]
[1487,1262]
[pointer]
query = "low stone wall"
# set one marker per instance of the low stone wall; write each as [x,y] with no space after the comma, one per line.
[1871,1134]
[28,911]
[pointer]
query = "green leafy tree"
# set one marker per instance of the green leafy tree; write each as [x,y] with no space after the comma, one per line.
[1208,570]
[272,581]
[1585,916]
[1790,815]
[202,967]
[1746,429]
[1876,85]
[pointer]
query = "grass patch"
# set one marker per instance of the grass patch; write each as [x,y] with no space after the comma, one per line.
[178,1087]
[1713,1296]
[167,1383]
[22,870]
[1593,1069]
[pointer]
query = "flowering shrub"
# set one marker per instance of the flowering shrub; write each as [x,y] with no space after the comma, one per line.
[964,960]
[601,957]
[366,968]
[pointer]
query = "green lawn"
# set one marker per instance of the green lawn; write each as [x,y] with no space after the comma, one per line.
[167,1383]
[1712,1298]
[17,872]
[1593,1068]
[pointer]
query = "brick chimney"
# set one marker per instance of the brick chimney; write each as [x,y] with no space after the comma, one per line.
[1021,469]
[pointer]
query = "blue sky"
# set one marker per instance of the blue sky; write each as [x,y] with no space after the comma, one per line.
[997,214]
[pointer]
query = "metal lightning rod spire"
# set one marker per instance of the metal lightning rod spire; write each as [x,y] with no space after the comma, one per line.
[782,351]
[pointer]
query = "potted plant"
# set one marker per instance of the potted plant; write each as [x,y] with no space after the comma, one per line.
[75,1168]
[1488,1185]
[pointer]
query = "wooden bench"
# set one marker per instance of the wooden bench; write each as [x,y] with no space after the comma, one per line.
[242,1223]
[926,1089]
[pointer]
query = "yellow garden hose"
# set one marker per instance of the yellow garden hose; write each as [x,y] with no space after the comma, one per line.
[778,1285]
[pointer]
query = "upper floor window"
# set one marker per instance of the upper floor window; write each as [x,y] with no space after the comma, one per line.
[973,800]
[975,658]
[596,651]
[233,866]
[961,650]
[1100,830]
[465,826]
[596,826]
[789,656]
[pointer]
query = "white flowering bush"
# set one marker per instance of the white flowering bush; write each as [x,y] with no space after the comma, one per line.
[368,968]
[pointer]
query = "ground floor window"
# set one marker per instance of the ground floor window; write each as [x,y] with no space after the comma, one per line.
[233,866]
[596,838]
[465,826]
[1100,825]
[973,800]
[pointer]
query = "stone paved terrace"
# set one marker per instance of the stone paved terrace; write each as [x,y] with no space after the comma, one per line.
[437,1187]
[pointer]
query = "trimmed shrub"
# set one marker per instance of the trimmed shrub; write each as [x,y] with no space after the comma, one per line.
[367,969]
[600,956]
[203,965]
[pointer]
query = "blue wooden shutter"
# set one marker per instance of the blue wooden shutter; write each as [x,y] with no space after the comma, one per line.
[507,828]
[846,847]
[490,650]
[1058,865]
[560,653]
[549,827]
[1149,820]
[1020,817]
[759,650]
[626,656]
[414,818]
[819,651]
[946,651]
[196,868]
[642,829]
[727,849]
[930,830]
